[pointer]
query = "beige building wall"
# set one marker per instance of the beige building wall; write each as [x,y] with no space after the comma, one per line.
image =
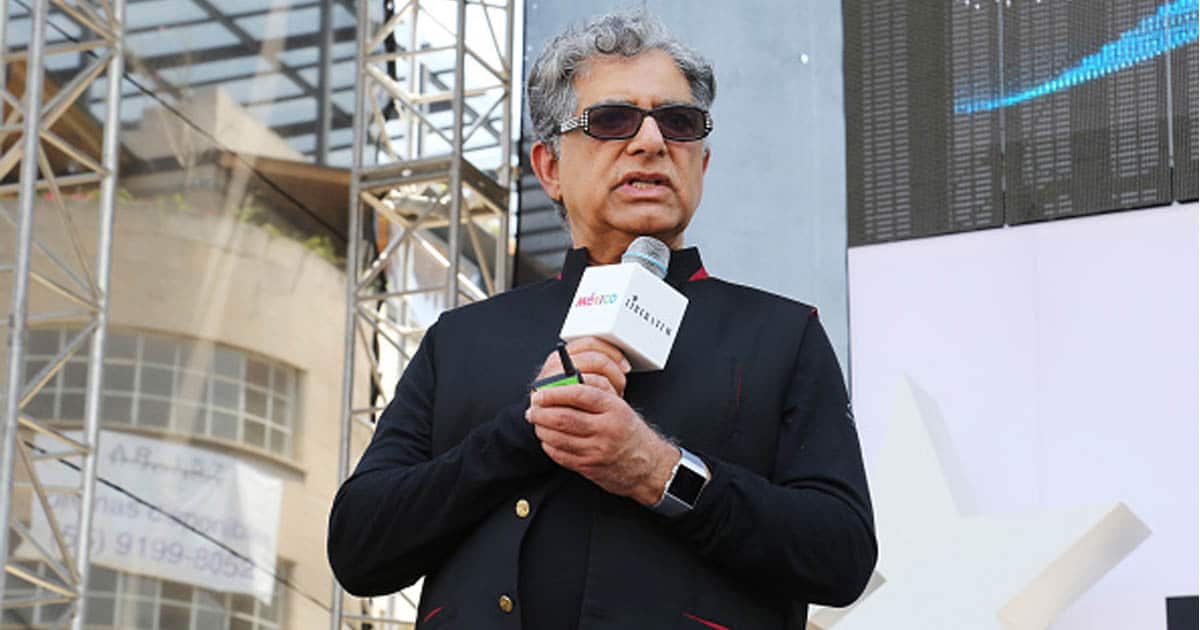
[182,267]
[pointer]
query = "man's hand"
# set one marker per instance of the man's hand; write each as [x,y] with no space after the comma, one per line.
[600,362]
[595,433]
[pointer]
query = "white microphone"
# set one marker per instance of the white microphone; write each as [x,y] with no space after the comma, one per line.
[629,305]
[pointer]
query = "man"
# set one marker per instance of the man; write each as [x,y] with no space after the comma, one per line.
[564,509]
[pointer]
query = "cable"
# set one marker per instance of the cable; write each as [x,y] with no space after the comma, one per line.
[274,186]
[178,521]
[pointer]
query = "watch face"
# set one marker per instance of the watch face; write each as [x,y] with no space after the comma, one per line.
[687,485]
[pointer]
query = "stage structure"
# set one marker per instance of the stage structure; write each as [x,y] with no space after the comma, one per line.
[430,196]
[52,281]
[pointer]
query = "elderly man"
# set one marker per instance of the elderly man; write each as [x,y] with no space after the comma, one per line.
[724,491]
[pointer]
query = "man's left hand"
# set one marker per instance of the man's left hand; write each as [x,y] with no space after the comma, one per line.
[595,433]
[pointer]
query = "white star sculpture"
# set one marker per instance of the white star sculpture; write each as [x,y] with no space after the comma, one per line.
[946,570]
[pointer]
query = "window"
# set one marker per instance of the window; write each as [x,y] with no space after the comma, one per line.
[174,384]
[133,602]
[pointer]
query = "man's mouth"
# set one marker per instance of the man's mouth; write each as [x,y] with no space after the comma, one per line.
[644,181]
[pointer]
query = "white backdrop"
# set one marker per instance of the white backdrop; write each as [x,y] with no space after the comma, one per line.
[1063,359]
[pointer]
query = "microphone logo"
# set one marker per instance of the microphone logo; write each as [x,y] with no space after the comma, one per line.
[631,303]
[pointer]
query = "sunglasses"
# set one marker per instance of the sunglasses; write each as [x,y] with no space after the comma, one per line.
[681,123]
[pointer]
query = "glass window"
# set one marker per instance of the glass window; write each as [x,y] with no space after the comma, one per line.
[118,409]
[157,381]
[212,390]
[118,378]
[225,394]
[258,373]
[100,610]
[256,402]
[131,602]
[158,350]
[43,342]
[42,405]
[224,425]
[75,375]
[121,346]
[226,362]
[254,433]
[154,413]
[101,580]
[71,407]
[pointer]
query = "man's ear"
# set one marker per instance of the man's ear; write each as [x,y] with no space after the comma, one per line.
[545,166]
[707,154]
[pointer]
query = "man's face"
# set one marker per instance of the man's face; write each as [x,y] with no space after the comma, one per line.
[617,190]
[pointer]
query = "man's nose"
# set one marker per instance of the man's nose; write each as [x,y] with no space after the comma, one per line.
[649,138]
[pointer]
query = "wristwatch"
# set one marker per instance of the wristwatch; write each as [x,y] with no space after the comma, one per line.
[683,488]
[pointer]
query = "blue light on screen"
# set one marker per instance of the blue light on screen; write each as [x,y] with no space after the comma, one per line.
[1173,25]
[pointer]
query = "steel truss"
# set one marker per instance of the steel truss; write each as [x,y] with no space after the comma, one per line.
[429,225]
[43,276]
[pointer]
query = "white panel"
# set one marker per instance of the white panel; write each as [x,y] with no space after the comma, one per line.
[1063,356]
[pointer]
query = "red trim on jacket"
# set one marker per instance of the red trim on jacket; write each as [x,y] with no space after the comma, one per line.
[432,613]
[711,624]
[701,274]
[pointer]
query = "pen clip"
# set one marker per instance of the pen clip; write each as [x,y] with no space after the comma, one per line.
[565,358]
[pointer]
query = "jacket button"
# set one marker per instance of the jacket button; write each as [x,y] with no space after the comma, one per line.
[506,603]
[522,508]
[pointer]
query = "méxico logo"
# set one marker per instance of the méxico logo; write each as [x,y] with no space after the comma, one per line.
[596,299]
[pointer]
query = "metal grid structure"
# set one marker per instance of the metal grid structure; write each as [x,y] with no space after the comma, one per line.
[300,47]
[54,282]
[430,195]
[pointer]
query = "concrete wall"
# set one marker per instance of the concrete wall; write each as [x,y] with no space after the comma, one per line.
[774,209]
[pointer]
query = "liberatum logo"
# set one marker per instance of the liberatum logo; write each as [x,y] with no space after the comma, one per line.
[596,299]
[631,303]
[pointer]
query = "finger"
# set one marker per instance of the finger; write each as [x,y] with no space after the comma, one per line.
[563,458]
[561,419]
[597,344]
[552,365]
[599,363]
[596,380]
[581,397]
[562,441]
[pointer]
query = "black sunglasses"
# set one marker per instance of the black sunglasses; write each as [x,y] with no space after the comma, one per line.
[681,123]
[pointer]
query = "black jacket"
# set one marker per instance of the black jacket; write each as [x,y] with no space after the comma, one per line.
[752,386]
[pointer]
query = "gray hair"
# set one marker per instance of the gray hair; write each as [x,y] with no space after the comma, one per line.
[551,89]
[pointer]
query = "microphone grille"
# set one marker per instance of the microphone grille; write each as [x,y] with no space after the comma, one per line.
[649,252]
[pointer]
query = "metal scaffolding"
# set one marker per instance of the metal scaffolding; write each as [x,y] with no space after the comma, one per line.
[53,281]
[431,184]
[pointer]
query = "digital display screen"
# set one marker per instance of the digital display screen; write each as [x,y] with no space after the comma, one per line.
[687,485]
[963,115]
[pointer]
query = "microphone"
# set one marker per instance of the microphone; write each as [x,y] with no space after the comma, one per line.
[629,305]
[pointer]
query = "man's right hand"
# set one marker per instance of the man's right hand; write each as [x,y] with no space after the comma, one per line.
[601,364]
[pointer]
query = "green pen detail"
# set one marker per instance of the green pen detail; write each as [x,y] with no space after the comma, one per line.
[558,381]
[570,375]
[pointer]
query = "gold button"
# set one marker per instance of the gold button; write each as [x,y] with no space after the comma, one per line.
[506,603]
[522,508]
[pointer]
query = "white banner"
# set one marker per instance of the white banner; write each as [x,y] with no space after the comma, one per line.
[228,500]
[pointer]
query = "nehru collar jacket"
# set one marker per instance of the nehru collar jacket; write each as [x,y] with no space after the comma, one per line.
[454,474]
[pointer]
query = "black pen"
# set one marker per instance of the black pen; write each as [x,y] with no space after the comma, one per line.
[569,376]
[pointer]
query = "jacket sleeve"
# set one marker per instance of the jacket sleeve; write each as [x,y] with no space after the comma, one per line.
[806,533]
[403,511]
